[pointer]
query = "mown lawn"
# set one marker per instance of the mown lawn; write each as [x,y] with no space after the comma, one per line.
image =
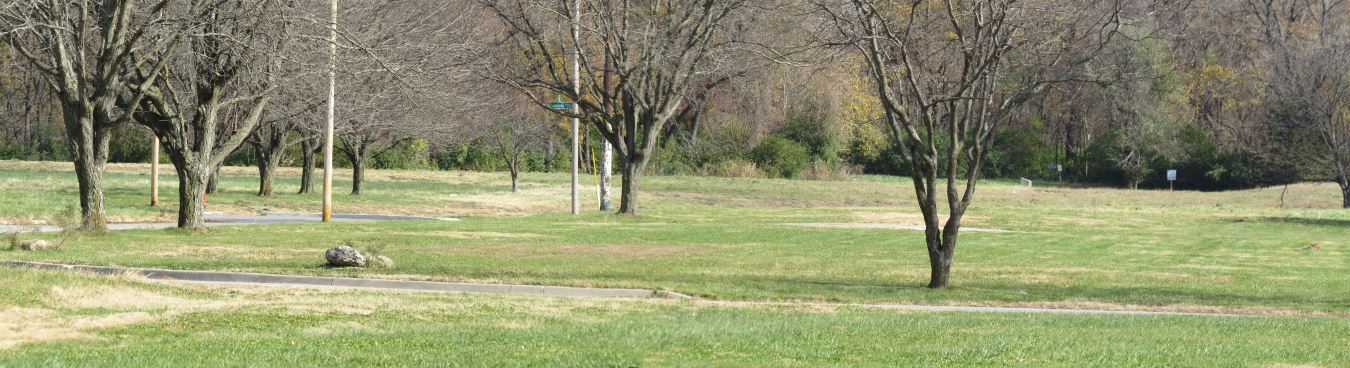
[757,239]
[741,240]
[62,319]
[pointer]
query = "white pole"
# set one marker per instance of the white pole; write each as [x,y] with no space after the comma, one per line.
[154,171]
[606,175]
[328,123]
[576,108]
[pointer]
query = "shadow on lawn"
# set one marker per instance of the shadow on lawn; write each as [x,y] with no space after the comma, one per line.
[1340,223]
[913,291]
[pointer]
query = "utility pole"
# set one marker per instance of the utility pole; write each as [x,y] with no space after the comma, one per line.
[576,108]
[154,171]
[328,123]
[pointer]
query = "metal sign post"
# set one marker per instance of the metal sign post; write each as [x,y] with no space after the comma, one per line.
[1171,178]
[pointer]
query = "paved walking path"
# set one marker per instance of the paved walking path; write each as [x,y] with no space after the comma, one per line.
[260,279]
[214,219]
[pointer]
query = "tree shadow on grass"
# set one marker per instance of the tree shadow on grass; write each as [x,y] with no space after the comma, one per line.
[1340,223]
[913,291]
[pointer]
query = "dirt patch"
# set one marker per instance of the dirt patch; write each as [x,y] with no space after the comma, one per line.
[28,325]
[59,321]
[123,298]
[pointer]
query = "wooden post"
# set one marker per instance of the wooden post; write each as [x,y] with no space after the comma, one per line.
[328,123]
[154,171]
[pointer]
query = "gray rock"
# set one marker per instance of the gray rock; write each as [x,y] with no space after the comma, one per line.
[384,261]
[344,256]
[34,244]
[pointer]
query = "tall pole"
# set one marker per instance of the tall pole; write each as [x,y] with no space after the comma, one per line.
[154,171]
[328,122]
[576,107]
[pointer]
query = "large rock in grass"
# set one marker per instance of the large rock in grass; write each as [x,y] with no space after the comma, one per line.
[344,256]
[34,245]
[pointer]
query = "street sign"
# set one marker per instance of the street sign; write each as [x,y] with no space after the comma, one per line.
[1171,175]
[561,105]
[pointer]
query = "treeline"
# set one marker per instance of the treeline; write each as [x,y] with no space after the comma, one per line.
[1231,94]
[1187,98]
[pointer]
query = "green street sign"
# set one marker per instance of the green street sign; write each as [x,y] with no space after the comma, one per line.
[561,105]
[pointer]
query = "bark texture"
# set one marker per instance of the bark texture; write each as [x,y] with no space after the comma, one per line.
[308,152]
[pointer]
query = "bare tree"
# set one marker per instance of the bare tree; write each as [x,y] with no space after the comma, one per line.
[211,95]
[1307,54]
[948,73]
[86,49]
[514,132]
[401,75]
[287,117]
[662,53]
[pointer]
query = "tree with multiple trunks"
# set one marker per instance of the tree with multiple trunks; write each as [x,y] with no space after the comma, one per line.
[948,73]
[88,50]
[205,99]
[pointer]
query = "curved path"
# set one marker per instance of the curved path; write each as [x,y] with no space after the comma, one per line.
[259,279]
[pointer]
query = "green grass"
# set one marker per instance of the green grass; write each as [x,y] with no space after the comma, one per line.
[729,239]
[716,238]
[200,326]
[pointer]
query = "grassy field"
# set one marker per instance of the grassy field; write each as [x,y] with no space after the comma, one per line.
[73,320]
[718,239]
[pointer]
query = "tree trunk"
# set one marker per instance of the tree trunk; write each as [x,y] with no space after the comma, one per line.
[213,182]
[940,265]
[1345,192]
[550,153]
[358,172]
[90,147]
[632,174]
[192,182]
[309,149]
[267,170]
[515,178]
[941,251]
[268,160]
[89,173]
